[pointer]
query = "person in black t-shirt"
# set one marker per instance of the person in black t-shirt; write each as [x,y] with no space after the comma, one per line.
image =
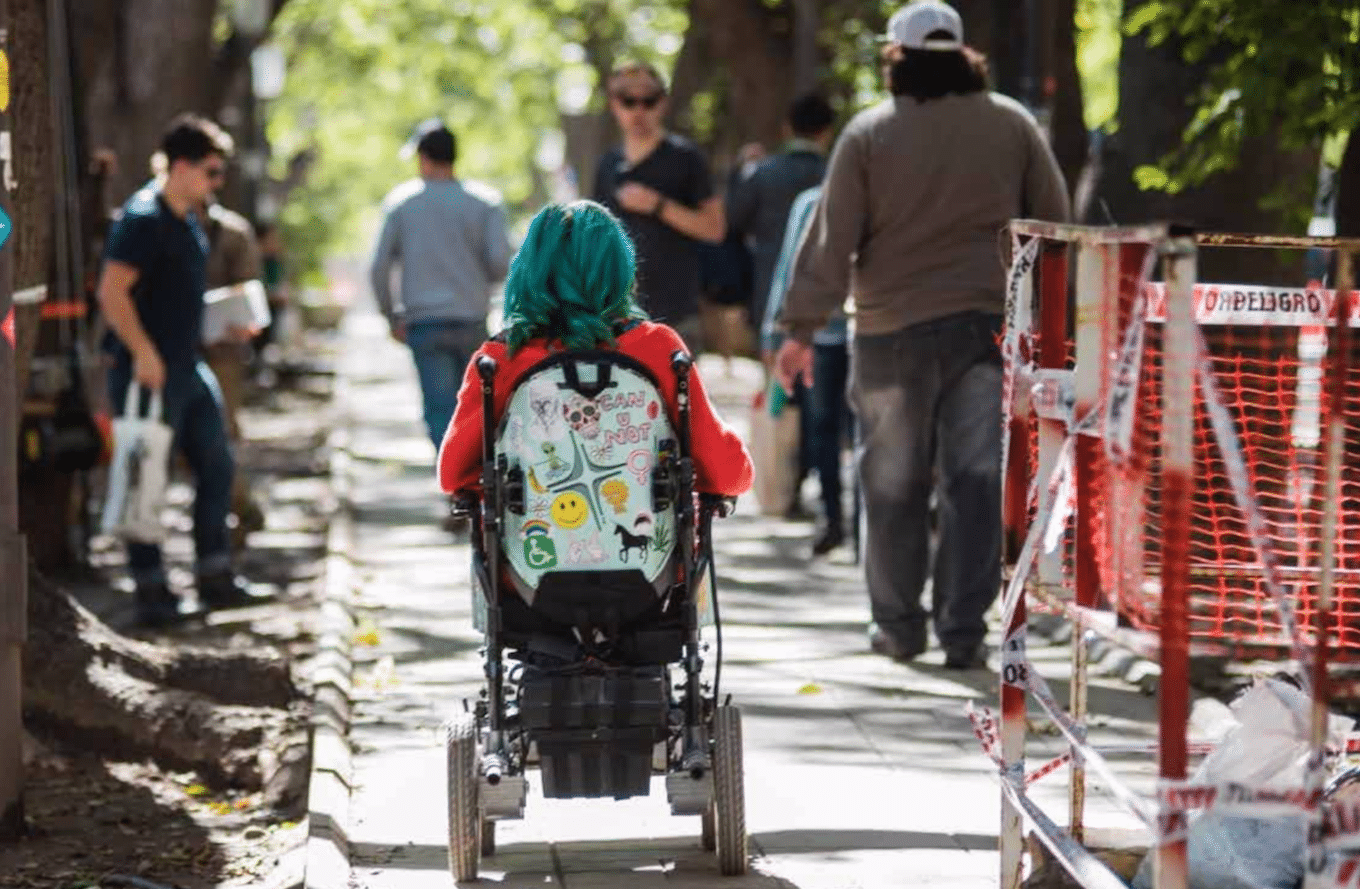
[659,186]
[151,294]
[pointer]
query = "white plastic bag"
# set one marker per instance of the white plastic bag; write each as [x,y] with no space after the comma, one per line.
[774,453]
[138,472]
[1268,748]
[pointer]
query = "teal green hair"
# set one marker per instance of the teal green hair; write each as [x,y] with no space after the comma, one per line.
[572,279]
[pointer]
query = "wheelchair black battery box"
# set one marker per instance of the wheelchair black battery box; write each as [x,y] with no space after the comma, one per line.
[617,698]
[595,731]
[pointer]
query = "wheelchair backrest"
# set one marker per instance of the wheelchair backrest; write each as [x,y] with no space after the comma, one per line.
[586,433]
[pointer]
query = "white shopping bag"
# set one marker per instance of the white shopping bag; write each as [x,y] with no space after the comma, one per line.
[139,471]
[774,451]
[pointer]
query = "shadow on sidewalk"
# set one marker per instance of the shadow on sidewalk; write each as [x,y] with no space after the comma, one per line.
[668,861]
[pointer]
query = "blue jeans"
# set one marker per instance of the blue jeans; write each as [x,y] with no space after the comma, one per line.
[828,424]
[931,392]
[193,409]
[441,351]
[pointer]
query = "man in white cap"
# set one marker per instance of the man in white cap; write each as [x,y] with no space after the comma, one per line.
[917,190]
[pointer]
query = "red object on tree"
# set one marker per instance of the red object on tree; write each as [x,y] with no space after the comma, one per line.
[7,328]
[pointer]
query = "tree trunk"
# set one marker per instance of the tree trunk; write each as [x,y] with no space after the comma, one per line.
[199,710]
[1156,86]
[160,63]
[1348,191]
[807,16]
[31,201]
[1069,119]
[755,43]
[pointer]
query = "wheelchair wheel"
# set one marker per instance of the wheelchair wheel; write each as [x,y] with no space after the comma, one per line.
[729,795]
[464,815]
[708,836]
[488,838]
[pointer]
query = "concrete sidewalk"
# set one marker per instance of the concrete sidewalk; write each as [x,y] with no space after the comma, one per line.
[859,772]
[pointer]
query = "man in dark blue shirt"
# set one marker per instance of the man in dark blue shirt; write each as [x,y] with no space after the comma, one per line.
[658,183]
[151,294]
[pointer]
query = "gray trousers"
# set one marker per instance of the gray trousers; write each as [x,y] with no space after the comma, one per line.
[928,402]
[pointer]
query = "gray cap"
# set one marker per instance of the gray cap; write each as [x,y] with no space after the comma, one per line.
[911,25]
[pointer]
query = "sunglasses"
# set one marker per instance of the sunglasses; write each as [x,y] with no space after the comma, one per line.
[647,102]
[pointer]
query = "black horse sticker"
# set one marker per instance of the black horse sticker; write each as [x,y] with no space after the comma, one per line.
[629,541]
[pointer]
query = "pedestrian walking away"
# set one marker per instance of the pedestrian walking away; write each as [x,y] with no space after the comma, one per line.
[151,292]
[825,418]
[233,260]
[659,186]
[758,208]
[449,238]
[917,190]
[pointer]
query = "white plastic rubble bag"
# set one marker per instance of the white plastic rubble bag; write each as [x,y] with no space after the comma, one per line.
[138,472]
[1267,749]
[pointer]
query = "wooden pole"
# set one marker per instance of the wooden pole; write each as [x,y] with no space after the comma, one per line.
[13,561]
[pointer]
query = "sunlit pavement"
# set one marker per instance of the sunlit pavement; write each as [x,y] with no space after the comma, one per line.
[859,772]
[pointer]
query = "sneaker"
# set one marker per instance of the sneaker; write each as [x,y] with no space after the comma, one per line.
[831,537]
[899,650]
[964,658]
[227,590]
[797,512]
[157,606]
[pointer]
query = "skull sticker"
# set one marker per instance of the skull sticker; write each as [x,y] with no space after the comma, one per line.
[583,415]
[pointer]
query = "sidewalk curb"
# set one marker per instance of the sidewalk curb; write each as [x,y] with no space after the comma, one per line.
[329,786]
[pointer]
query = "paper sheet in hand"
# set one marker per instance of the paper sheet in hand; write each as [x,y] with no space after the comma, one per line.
[236,305]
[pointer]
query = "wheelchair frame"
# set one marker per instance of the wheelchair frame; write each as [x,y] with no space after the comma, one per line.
[489,751]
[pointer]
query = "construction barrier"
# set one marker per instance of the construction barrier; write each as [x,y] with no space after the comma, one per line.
[1176,479]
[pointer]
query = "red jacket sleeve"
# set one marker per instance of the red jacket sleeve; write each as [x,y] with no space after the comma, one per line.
[722,464]
[460,455]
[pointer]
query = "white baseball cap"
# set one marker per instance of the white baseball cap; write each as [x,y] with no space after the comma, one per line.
[911,25]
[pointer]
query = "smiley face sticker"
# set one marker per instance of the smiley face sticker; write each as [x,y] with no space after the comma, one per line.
[570,510]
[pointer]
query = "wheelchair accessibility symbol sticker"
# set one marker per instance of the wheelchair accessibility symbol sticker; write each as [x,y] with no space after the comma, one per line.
[539,550]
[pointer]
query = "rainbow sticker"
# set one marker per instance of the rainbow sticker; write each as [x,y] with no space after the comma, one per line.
[533,527]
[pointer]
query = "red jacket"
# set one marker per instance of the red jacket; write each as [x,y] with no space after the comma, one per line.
[721,463]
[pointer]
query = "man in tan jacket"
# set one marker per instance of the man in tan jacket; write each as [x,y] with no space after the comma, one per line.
[233,258]
[917,191]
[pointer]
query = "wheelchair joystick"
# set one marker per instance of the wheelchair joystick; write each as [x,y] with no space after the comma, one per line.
[486,367]
[681,362]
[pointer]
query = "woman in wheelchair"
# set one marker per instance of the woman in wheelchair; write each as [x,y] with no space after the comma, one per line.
[581,437]
[571,288]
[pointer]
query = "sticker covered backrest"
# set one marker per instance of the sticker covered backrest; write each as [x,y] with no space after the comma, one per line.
[586,431]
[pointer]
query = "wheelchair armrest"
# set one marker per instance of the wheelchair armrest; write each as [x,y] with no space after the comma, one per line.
[464,503]
[719,505]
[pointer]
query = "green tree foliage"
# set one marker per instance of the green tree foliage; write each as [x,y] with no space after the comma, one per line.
[1284,69]
[362,73]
